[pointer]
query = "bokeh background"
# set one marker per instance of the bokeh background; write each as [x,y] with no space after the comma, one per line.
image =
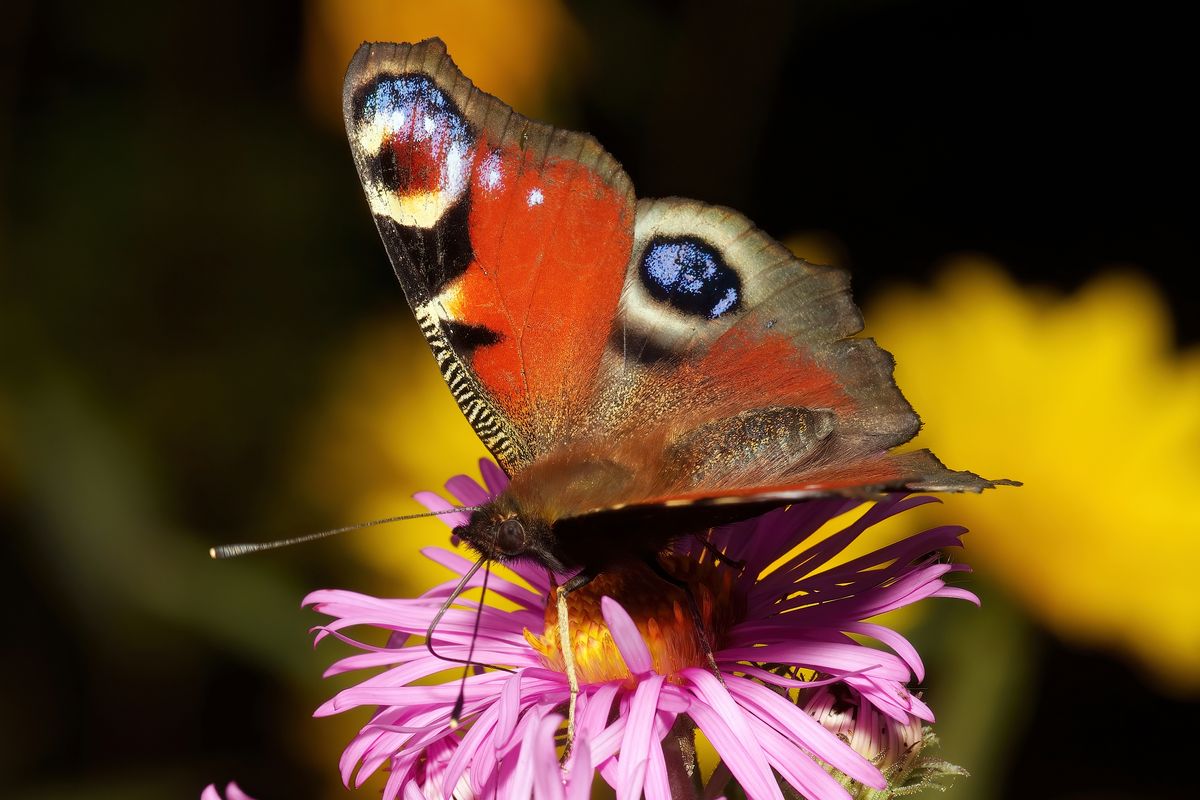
[201,341]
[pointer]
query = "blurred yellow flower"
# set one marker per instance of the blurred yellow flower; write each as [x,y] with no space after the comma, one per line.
[391,429]
[514,50]
[1084,399]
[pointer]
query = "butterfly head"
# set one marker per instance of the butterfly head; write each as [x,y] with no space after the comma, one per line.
[502,533]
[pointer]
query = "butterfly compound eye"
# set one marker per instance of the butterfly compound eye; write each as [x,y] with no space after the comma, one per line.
[510,537]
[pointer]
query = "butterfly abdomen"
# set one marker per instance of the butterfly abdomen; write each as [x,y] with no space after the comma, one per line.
[781,439]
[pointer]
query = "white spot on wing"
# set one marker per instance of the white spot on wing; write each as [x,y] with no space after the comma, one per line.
[490,176]
[536,198]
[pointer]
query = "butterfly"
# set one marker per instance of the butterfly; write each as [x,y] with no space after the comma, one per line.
[642,369]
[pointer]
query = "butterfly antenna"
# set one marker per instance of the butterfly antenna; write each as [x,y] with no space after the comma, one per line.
[437,618]
[234,550]
[441,612]
[456,714]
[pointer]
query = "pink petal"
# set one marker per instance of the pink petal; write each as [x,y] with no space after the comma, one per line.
[435,502]
[796,767]
[763,675]
[626,636]
[638,739]
[547,775]
[493,476]
[450,560]
[533,574]
[479,735]
[786,717]
[496,583]
[725,726]
[608,741]
[608,770]
[523,774]
[957,593]
[592,713]
[658,784]
[437,758]
[467,491]
[510,709]
[898,643]
[891,698]
[906,549]
[824,657]
[579,783]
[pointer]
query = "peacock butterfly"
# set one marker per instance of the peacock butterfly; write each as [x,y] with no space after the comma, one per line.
[641,369]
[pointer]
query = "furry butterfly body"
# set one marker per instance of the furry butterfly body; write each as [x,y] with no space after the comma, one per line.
[642,369]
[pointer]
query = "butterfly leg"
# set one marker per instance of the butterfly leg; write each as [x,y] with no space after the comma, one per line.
[661,572]
[717,554]
[568,651]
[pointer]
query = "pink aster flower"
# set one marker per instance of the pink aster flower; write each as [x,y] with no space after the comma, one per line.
[644,683]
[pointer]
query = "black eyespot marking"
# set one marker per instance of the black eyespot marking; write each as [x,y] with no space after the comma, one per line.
[430,258]
[465,338]
[689,274]
[388,171]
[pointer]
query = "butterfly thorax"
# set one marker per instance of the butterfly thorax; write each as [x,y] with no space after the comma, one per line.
[539,518]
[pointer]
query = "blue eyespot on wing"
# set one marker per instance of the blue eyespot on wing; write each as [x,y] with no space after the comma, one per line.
[690,275]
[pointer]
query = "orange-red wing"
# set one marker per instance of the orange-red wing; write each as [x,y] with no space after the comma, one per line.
[510,239]
[550,239]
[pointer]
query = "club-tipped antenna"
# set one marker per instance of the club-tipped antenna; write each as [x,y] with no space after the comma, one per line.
[234,550]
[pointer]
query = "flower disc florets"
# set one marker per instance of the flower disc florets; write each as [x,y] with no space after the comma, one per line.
[661,612]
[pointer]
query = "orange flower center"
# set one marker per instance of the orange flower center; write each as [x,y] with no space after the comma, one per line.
[660,610]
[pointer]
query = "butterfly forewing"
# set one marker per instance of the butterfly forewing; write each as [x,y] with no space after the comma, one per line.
[508,236]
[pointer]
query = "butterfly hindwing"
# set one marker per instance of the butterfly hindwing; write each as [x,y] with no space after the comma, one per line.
[508,236]
[733,376]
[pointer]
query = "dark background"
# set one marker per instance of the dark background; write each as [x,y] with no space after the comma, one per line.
[184,251]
